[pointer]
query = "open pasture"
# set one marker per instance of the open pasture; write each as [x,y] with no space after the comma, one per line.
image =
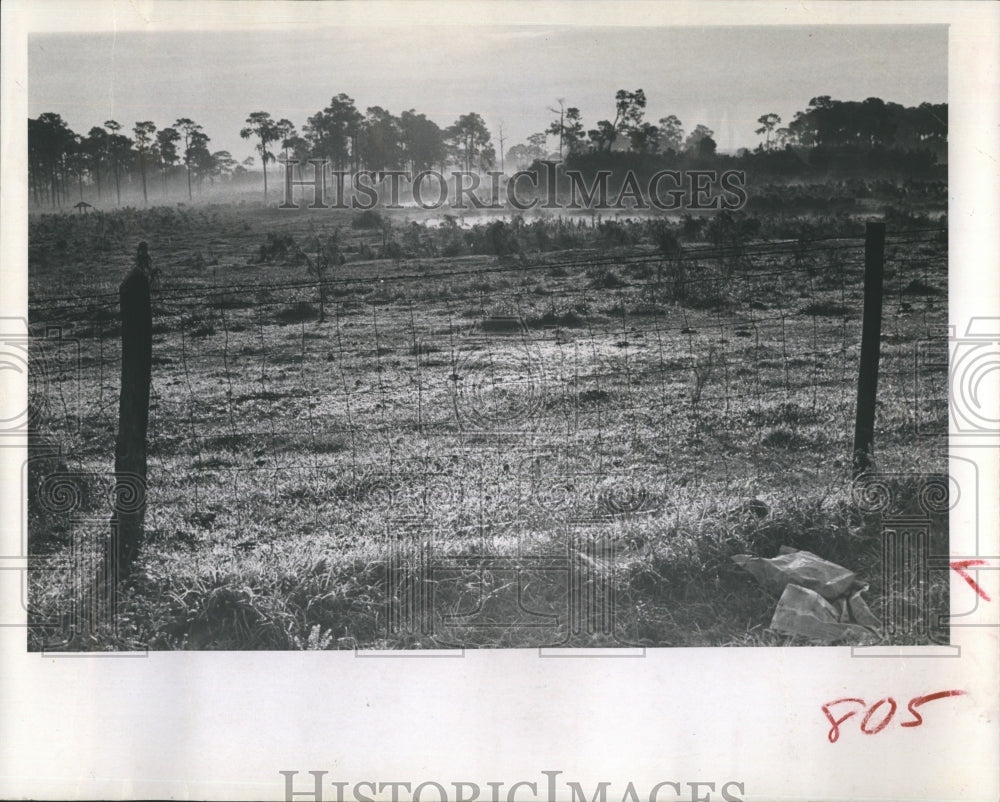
[467,437]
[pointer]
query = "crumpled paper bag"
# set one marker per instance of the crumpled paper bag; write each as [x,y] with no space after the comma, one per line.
[820,600]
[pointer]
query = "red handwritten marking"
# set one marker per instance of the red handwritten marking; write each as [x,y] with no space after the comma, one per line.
[885,721]
[834,733]
[961,565]
[916,701]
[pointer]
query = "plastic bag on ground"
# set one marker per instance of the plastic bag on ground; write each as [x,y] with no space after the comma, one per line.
[803,568]
[820,600]
[805,613]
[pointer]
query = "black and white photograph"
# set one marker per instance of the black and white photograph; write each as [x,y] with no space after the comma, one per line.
[388,357]
[537,330]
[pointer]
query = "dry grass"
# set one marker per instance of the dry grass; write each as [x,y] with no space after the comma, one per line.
[587,439]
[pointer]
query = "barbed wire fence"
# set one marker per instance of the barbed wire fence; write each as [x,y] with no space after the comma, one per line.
[484,401]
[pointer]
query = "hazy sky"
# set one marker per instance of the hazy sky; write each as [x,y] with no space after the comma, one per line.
[722,77]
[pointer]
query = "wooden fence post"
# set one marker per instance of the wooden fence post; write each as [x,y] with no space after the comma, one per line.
[130,447]
[871,333]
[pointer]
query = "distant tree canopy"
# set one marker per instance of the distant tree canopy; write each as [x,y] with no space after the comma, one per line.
[469,141]
[870,123]
[829,134]
[521,156]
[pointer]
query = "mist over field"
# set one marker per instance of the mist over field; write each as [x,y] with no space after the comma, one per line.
[546,411]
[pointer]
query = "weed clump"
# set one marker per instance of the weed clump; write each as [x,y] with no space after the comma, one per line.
[920,287]
[369,219]
[607,279]
[296,313]
[276,248]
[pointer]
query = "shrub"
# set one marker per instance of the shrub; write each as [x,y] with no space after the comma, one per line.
[368,219]
[276,248]
[606,279]
[296,313]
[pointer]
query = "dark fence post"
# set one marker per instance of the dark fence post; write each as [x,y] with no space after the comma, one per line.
[130,447]
[871,333]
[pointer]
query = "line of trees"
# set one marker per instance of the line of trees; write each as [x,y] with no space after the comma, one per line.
[872,123]
[62,163]
[380,140]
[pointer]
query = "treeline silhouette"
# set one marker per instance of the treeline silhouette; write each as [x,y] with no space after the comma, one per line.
[870,138]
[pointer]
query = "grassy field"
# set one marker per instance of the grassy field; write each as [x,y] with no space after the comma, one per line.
[517,434]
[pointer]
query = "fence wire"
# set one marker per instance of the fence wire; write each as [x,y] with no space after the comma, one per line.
[512,397]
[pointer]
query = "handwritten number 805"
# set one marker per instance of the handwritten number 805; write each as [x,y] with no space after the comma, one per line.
[879,714]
